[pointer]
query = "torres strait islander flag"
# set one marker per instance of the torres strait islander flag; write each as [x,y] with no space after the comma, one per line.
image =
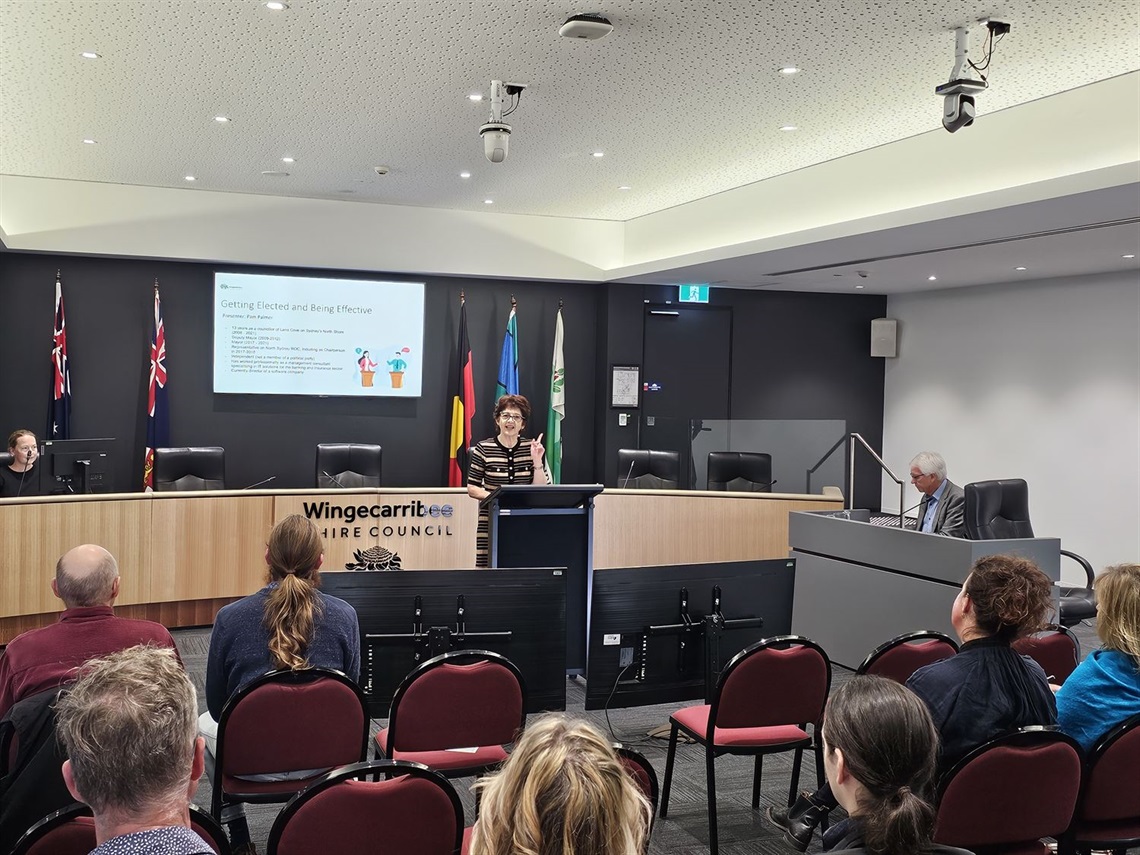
[158,415]
[462,405]
[59,421]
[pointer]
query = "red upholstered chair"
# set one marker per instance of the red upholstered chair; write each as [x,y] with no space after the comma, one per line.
[67,831]
[456,701]
[1056,649]
[414,811]
[287,721]
[765,698]
[1009,793]
[1108,810]
[72,830]
[642,773]
[904,654]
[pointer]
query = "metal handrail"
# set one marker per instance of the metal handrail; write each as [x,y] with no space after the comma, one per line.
[822,460]
[883,466]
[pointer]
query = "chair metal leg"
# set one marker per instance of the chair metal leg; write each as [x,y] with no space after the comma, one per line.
[820,777]
[794,790]
[664,811]
[757,771]
[710,776]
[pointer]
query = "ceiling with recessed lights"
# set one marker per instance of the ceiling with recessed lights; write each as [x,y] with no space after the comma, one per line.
[681,102]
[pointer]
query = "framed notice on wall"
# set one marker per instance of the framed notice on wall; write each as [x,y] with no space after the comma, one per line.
[626,387]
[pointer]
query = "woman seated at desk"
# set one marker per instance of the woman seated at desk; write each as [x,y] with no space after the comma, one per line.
[20,477]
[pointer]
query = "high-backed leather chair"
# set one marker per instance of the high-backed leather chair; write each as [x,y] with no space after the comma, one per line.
[646,469]
[996,510]
[5,458]
[348,464]
[202,468]
[740,472]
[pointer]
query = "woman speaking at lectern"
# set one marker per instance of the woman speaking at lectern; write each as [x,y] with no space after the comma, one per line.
[507,458]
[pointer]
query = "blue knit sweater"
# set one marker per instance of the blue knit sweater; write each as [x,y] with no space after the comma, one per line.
[1102,692]
[239,645]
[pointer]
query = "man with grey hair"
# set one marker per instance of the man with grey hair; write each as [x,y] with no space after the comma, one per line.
[943,506]
[130,728]
[87,580]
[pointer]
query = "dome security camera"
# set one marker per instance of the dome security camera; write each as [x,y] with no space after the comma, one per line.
[957,112]
[496,140]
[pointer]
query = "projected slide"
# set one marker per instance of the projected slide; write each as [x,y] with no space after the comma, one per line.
[289,335]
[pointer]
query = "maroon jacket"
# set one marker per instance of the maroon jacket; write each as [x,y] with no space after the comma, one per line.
[48,657]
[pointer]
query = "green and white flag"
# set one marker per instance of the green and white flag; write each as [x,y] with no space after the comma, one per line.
[557,406]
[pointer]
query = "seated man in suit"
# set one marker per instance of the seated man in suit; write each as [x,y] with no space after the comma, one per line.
[130,727]
[87,580]
[943,506]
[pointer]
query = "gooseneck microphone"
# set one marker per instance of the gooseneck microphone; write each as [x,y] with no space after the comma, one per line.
[903,514]
[24,472]
[259,483]
[333,479]
[628,474]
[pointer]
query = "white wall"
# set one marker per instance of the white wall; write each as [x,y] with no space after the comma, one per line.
[1036,380]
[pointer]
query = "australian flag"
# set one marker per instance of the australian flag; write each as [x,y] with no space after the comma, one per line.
[59,422]
[158,414]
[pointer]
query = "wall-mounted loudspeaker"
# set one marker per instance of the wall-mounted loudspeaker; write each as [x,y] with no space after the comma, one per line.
[884,337]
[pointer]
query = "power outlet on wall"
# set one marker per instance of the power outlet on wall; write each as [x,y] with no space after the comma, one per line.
[625,657]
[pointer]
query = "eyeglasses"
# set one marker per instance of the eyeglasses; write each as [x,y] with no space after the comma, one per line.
[510,417]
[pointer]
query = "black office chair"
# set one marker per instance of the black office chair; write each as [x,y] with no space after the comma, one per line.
[348,464]
[740,472]
[996,510]
[202,468]
[645,469]
[5,458]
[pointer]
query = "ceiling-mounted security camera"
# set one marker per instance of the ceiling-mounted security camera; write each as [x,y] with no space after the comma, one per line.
[958,94]
[957,111]
[496,133]
[496,140]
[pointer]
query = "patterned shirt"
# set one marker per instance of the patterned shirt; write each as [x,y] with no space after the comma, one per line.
[174,840]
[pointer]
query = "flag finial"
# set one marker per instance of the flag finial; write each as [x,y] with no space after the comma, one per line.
[462,298]
[514,302]
[57,274]
[560,303]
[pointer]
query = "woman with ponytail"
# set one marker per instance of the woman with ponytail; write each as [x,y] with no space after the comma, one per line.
[287,624]
[880,751]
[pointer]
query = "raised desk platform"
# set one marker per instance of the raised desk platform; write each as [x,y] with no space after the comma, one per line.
[184,555]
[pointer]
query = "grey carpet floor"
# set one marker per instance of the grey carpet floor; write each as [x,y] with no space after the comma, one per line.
[742,830]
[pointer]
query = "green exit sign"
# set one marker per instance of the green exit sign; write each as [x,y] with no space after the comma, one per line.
[694,293]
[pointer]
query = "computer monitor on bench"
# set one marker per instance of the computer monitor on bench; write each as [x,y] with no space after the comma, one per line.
[77,466]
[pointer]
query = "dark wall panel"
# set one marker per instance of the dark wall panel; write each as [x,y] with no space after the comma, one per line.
[794,356]
[108,303]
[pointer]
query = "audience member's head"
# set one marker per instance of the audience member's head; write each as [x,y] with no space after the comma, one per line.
[1118,609]
[1005,596]
[564,791]
[294,555]
[130,728]
[87,575]
[880,753]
